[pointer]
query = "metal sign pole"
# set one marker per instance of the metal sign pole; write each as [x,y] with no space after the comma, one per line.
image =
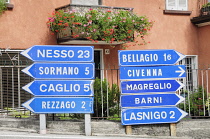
[42,120]
[87,125]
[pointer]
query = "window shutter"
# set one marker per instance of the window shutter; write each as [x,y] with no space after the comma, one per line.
[171,4]
[182,5]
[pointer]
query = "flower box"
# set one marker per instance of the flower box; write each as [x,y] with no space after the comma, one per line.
[97,25]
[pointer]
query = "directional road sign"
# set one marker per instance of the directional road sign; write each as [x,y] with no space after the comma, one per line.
[151,115]
[49,53]
[148,86]
[43,105]
[151,100]
[61,70]
[60,88]
[148,57]
[175,71]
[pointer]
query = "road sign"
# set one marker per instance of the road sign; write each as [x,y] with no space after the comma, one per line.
[51,53]
[175,71]
[148,86]
[151,115]
[60,88]
[148,57]
[61,70]
[150,100]
[43,105]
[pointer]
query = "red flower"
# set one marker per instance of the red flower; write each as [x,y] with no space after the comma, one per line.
[76,23]
[66,24]
[112,39]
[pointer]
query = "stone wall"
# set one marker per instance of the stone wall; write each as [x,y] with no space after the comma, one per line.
[195,128]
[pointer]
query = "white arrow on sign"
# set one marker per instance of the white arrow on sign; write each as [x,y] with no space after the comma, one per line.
[25,53]
[27,104]
[180,99]
[181,71]
[181,56]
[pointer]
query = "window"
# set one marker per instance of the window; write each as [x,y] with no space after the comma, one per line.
[87,2]
[181,5]
[191,80]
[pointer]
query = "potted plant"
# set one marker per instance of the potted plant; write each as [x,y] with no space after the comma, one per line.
[3,6]
[195,103]
[205,9]
[100,24]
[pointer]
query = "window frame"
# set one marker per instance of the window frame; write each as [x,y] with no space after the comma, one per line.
[191,69]
[100,2]
[176,7]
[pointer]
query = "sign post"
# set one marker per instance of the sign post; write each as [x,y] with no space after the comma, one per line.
[149,57]
[63,81]
[148,88]
[42,124]
[151,115]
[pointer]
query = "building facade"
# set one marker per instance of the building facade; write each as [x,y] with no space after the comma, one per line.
[178,24]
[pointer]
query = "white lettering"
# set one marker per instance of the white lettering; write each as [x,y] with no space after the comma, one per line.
[58,104]
[144,72]
[49,53]
[139,57]
[148,100]
[59,70]
[62,87]
[149,115]
[149,86]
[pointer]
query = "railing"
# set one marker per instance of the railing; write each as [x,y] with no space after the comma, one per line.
[65,36]
[106,91]
[197,97]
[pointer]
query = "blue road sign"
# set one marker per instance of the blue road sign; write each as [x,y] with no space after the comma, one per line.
[148,57]
[151,115]
[61,70]
[59,53]
[60,105]
[148,86]
[60,88]
[150,100]
[175,71]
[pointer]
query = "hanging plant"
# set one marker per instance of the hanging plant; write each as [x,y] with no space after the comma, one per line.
[3,6]
[100,24]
